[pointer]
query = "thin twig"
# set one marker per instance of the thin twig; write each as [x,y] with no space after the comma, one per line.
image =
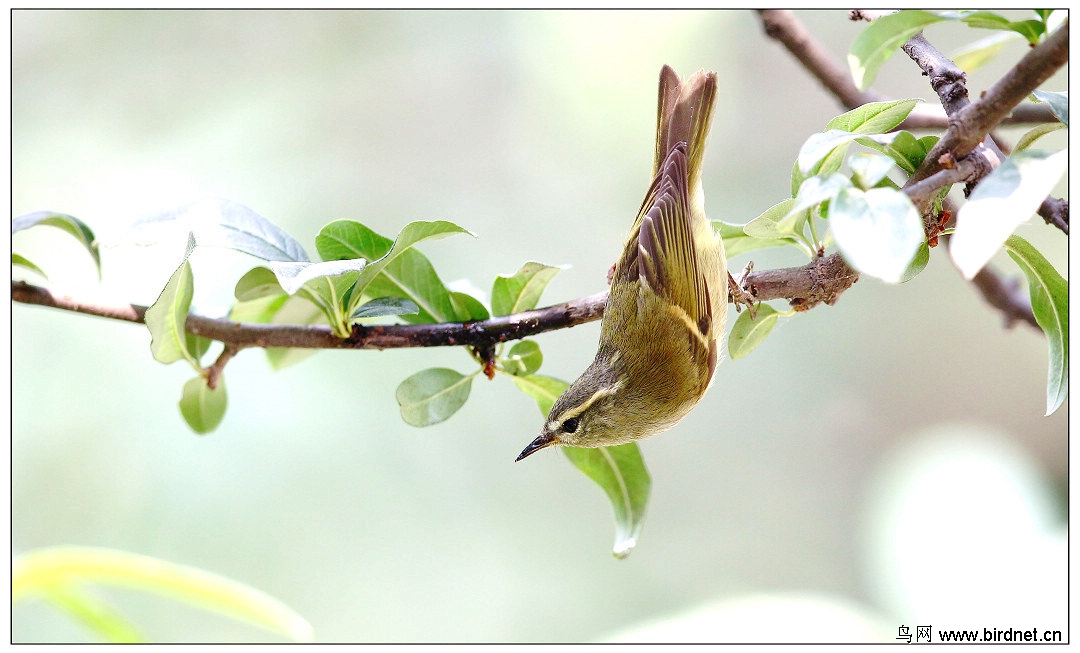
[213,373]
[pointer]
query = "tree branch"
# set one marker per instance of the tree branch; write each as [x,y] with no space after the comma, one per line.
[783,27]
[971,122]
[949,82]
[1007,296]
[820,281]
[1056,212]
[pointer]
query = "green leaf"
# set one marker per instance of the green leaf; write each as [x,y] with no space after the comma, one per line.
[832,162]
[295,311]
[974,55]
[292,275]
[983,20]
[383,306]
[868,168]
[407,274]
[467,308]
[222,223]
[877,231]
[524,358]
[736,241]
[23,262]
[822,145]
[94,613]
[410,235]
[203,408]
[38,573]
[197,346]
[521,291]
[1003,200]
[883,37]
[1032,30]
[818,189]
[431,396]
[873,117]
[1050,303]
[260,310]
[167,318]
[72,225]
[1058,101]
[767,225]
[545,390]
[907,151]
[1037,132]
[749,332]
[918,264]
[257,283]
[620,472]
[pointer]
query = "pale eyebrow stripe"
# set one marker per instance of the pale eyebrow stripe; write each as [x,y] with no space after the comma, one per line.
[577,410]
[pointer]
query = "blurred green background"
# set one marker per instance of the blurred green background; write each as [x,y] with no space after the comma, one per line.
[881,462]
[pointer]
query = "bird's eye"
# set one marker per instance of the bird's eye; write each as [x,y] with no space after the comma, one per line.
[570,425]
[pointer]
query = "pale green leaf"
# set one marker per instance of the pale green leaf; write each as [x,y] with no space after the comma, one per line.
[93,613]
[294,311]
[818,189]
[384,306]
[431,396]
[521,291]
[223,223]
[70,224]
[523,359]
[974,55]
[767,225]
[821,145]
[203,408]
[621,473]
[877,231]
[292,275]
[167,318]
[868,168]
[749,332]
[1035,133]
[1004,199]
[36,573]
[544,390]
[1050,303]
[880,40]
[23,262]
[467,308]
[257,283]
[1058,101]
[737,241]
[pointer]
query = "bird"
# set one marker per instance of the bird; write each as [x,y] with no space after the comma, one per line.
[667,306]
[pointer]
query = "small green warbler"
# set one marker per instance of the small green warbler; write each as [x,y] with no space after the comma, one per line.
[668,301]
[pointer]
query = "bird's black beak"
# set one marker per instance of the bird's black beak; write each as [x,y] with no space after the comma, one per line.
[541,441]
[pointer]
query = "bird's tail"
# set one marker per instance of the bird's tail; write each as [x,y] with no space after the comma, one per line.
[684,113]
